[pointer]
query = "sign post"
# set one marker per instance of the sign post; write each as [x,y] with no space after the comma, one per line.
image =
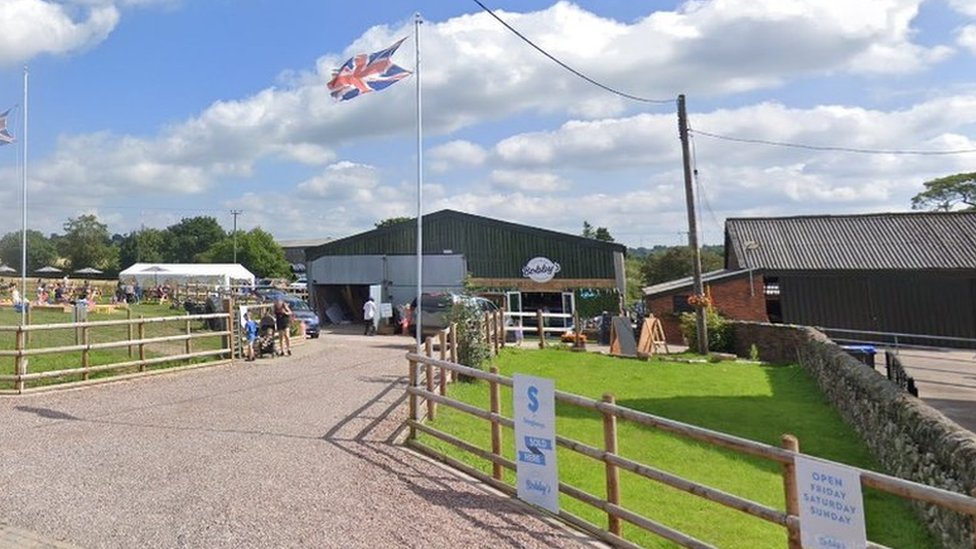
[831,505]
[535,441]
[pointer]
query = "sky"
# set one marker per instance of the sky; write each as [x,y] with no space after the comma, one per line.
[144,112]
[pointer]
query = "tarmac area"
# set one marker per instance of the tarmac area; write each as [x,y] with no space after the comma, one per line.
[294,451]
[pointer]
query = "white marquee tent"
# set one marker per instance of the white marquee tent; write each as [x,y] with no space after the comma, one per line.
[176,274]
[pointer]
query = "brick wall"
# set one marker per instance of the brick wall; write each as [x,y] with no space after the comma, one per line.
[909,438]
[731,297]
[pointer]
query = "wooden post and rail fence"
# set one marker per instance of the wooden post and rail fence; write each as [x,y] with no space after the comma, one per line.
[135,342]
[421,391]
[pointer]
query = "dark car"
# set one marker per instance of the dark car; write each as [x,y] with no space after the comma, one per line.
[303,313]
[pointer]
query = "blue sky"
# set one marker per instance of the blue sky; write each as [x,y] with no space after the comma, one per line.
[147,111]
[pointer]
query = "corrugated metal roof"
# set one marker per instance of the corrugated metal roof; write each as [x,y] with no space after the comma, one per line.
[687,282]
[492,248]
[887,241]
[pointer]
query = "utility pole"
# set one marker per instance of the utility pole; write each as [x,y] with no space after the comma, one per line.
[235,213]
[692,227]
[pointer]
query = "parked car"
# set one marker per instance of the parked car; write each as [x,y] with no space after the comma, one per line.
[303,313]
[436,308]
[300,284]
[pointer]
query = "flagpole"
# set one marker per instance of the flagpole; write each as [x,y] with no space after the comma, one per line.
[23,231]
[418,318]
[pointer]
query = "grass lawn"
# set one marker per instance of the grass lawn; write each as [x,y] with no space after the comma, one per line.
[65,337]
[753,401]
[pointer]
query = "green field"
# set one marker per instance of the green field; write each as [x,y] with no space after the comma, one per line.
[758,402]
[64,337]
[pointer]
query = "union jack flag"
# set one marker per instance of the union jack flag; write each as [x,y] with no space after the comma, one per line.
[366,73]
[5,137]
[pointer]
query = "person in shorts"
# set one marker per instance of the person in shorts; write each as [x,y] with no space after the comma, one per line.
[282,313]
[251,332]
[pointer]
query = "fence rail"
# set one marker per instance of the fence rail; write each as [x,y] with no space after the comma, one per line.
[135,341]
[610,504]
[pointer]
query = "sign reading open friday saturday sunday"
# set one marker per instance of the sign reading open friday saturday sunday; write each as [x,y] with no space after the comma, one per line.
[831,505]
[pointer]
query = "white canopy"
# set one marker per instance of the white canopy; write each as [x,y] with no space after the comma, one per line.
[175,274]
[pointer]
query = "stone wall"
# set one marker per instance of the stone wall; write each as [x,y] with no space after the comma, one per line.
[910,439]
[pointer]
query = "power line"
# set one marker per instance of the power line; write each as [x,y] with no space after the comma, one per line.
[833,148]
[567,67]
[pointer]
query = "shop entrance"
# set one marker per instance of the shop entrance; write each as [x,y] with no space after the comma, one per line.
[549,302]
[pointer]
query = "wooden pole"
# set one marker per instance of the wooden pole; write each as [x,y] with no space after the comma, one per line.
[692,226]
[454,350]
[494,323]
[85,353]
[412,399]
[21,363]
[790,443]
[486,318]
[497,471]
[429,371]
[128,316]
[541,327]
[612,473]
[187,346]
[142,346]
[30,318]
[442,343]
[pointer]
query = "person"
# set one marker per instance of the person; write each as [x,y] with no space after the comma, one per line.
[369,316]
[251,331]
[282,313]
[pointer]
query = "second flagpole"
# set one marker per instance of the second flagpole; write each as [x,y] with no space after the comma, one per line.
[418,317]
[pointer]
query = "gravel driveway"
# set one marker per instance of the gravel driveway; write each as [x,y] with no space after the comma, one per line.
[287,452]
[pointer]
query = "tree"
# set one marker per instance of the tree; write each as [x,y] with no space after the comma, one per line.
[599,233]
[190,237]
[945,193]
[146,245]
[635,279]
[40,250]
[392,221]
[676,262]
[87,243]
[256,250]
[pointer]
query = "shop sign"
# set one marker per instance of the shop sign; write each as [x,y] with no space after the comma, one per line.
[831,505]
[534,402]
[540,269]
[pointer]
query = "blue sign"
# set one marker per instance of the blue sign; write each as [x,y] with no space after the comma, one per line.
[535,441]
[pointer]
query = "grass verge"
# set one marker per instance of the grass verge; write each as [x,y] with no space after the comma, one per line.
[758,402]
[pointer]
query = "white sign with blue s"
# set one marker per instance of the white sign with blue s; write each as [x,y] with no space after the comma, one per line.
[535,441]
[831,505]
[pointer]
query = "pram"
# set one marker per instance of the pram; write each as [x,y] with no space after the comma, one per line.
[266,336]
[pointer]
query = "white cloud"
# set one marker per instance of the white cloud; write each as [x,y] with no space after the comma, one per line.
[965,7]
[342,181]
[527,181]
[456,153]
[33,27]
[966,38]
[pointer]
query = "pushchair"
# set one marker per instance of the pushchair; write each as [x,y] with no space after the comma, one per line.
[266,336]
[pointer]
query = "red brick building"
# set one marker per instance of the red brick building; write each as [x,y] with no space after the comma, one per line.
[729,291]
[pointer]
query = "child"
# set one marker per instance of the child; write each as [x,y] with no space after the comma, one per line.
[251,331]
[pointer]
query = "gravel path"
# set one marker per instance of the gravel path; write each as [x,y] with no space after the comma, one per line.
[287,452]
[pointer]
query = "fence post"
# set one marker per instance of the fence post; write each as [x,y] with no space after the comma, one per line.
[230,342]
[187,346]
[613,474]
[85,353]
[454,350]
[429,372]
[30,318]
[790,443]
[128,316]
[142,346]
[442,342]
[497,471]
[495,326]
[541,328]
[21,365]
[486,318]
[412,376]
[501,326]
